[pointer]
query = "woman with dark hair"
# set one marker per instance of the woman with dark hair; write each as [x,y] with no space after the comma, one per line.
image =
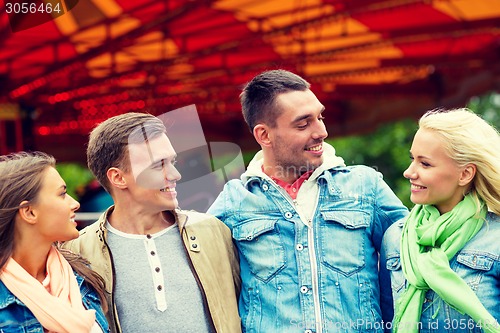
[43,288]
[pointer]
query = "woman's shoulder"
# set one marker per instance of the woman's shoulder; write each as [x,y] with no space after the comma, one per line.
[486,240]
[494,218]
[392,237]
[491,226]
[6,296]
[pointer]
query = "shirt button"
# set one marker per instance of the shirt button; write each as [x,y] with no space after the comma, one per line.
[299,247]
[288,215]
[193,237]
[294,189]
[159,288]
[157,269]
[194,246]
[148,236]
[153,253]
[265,187]
[308,331]
[304,289]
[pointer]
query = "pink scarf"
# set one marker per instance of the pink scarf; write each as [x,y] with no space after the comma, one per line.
[62,309]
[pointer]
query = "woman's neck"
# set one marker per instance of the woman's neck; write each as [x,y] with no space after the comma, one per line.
[33,261]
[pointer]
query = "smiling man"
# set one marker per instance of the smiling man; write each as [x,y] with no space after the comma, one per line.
[166,270]
[308,229]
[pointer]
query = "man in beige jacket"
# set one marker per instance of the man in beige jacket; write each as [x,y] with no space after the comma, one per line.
[166,270]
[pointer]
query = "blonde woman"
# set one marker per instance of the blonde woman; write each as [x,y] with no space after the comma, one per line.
[445,258]
[42,288]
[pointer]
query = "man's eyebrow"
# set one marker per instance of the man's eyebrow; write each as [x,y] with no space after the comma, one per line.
[302,117]
[306,116]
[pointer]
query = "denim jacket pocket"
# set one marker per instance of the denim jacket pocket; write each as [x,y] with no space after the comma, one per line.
[472,265]
[260,243]
[343,236]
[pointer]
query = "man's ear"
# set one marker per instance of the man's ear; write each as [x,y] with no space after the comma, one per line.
[27,212]
[467,174]
[115,178]
[262,135]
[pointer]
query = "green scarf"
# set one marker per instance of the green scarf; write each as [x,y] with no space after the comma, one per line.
[428,242]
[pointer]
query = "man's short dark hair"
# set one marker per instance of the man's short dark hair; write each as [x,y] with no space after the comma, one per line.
[258,98]
[109,141]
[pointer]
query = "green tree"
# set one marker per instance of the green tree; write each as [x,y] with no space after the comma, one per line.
[76,177]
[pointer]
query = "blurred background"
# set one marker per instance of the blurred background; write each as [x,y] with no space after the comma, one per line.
[376,65]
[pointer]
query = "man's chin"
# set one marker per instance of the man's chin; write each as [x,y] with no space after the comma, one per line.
[316,163]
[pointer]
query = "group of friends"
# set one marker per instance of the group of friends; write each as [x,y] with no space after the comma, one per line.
[300,243]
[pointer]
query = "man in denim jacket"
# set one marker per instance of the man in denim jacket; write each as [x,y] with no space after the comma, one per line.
[308,229]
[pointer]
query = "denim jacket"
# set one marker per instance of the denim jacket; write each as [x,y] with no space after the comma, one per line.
[15,317]
[322,278]
[478,264]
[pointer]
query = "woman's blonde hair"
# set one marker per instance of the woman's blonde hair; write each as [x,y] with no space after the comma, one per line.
[469,139]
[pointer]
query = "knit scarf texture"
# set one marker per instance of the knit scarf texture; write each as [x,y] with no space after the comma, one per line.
[62,309]
[428,242]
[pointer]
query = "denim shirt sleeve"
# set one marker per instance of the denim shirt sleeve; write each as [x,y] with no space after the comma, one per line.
[389,209]
[218,208]
[386,300]
[230,201]
[390,260]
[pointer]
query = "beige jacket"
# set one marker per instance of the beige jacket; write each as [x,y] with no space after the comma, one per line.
[214,264]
